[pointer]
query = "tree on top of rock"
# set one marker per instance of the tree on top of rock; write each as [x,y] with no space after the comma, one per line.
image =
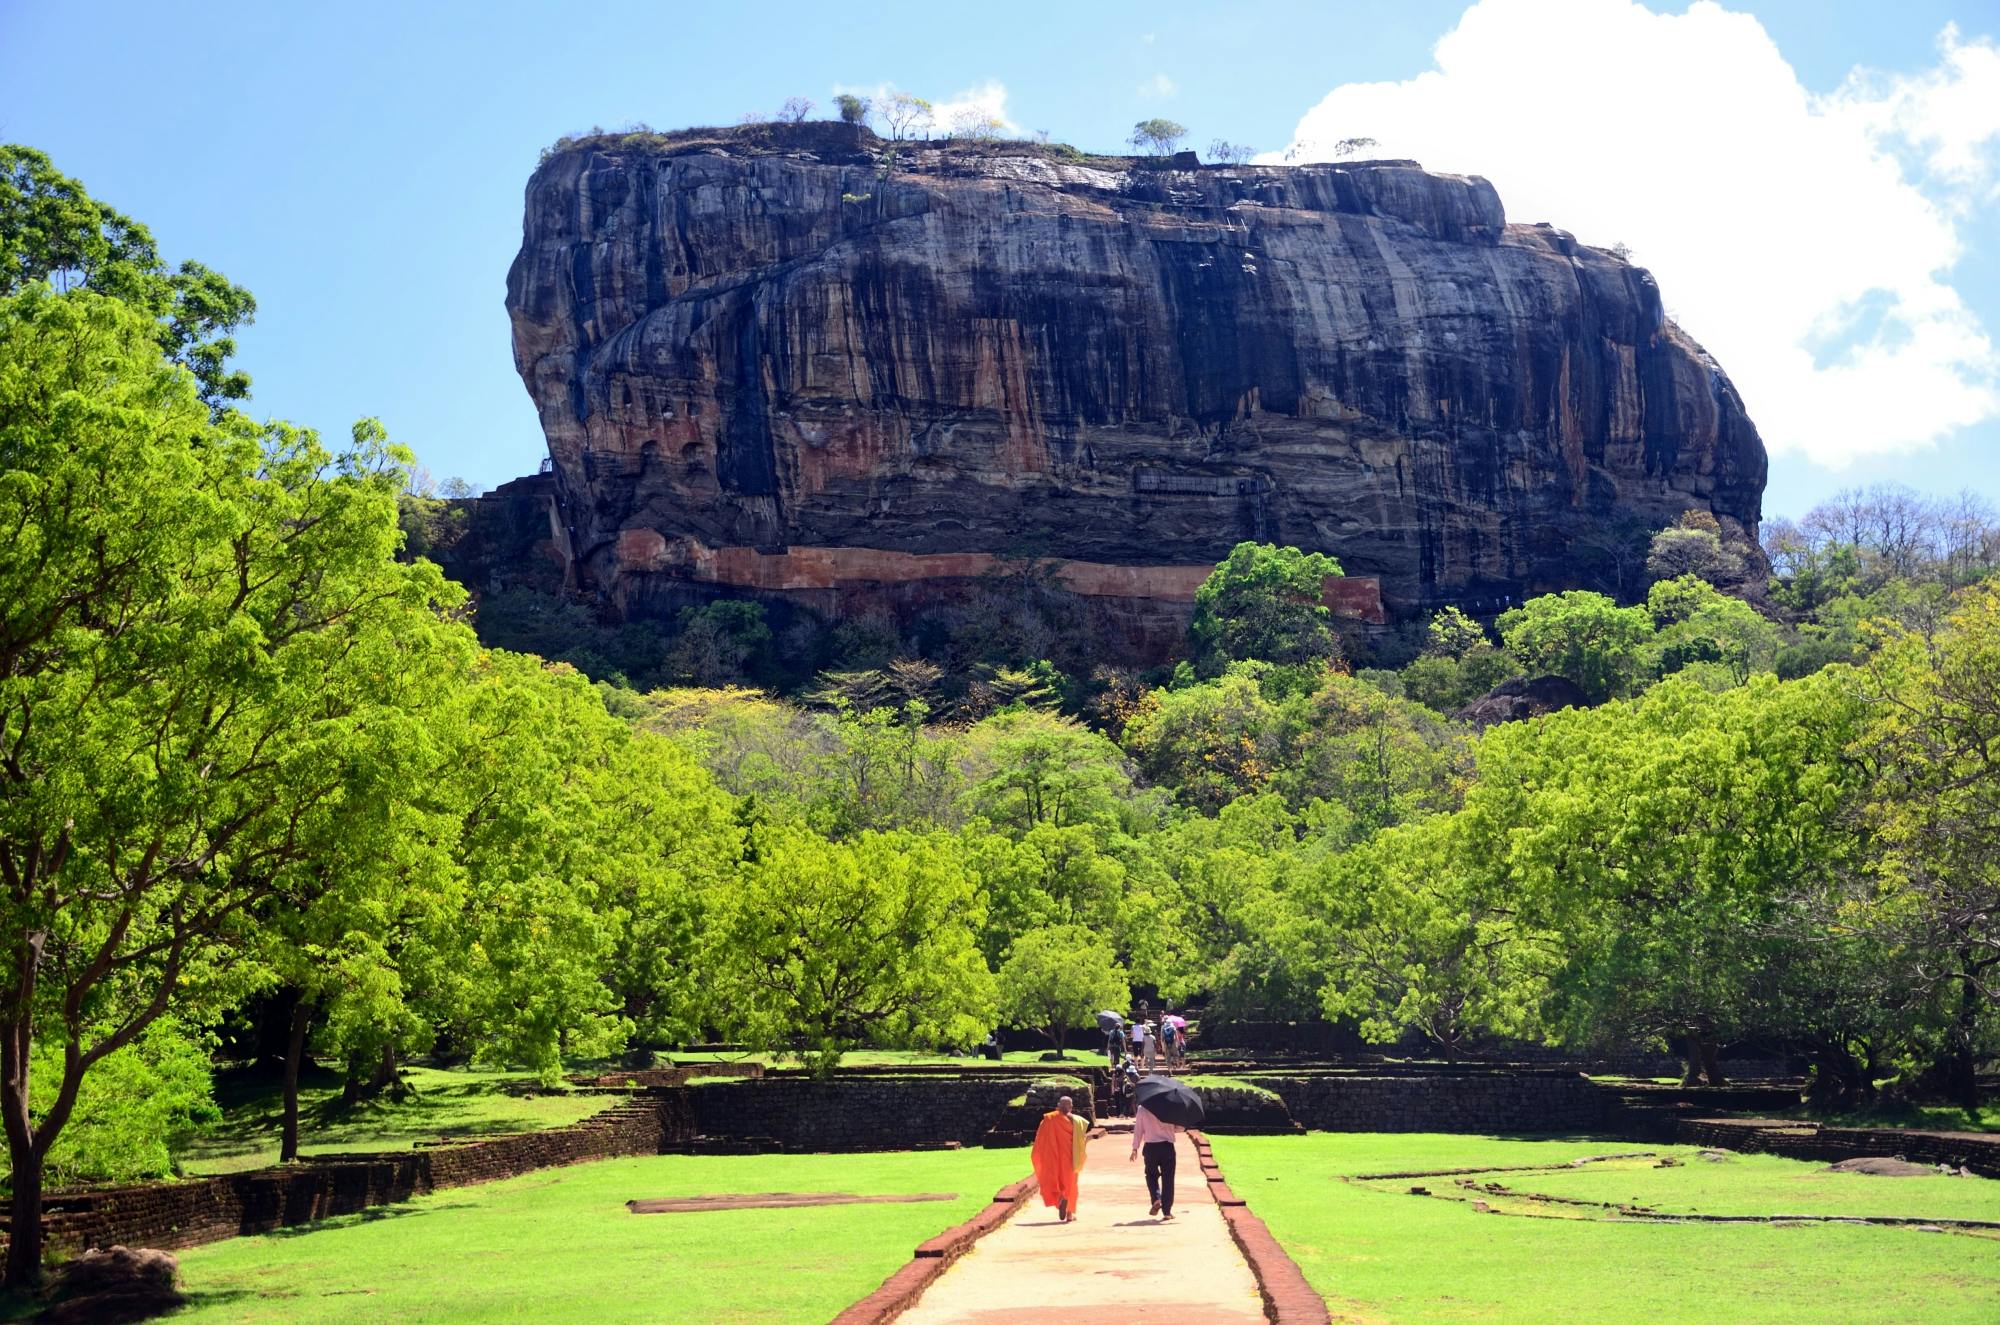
[1158,136]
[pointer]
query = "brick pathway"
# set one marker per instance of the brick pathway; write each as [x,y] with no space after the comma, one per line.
[1113,1265]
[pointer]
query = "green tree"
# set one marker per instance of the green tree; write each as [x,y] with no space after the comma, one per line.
[1446,685]
[1024,769]
[823,947]
[1209,743]
[853,109]
[1057,979]
[52,231]
[1932,740]
[207,657]
[1158,136]
[1452,634]
[1414,929]
[1581,636]
[1267,603]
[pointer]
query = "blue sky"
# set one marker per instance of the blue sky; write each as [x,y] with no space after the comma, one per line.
[360,167]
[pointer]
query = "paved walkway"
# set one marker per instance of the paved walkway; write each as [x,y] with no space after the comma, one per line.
[1114,1264]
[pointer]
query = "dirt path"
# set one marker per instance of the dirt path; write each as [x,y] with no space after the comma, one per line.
[1114,1264]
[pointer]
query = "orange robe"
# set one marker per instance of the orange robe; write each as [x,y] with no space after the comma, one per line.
[1055,1158]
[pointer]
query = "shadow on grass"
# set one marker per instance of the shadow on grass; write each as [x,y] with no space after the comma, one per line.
[373,1215]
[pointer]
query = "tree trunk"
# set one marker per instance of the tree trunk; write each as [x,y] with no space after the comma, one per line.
[1709,1066]
[1961,1077]
[295,1053]
[24,1228]
[1691,1059]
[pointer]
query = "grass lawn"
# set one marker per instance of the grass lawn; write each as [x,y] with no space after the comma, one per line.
[1385,1256]
[446,1102]
[558,1246]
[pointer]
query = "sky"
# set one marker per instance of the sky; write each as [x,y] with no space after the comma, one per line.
[1815,183]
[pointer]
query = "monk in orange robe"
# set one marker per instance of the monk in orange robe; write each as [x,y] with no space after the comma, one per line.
[1055,1158]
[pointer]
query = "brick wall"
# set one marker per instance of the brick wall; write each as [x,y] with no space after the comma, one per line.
[1441,1102]
[866,1114]
[1805,1140]
[187,1214]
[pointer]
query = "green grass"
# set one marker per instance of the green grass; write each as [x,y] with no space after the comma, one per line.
[558,1246]
[1923,1117]
[1386,1256]
[445,1102]
[1219,1081]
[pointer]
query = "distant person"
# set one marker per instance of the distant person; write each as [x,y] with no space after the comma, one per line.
[1155,1140]
[1137,1034]
[1149,1043]
[991,1048]
[1129,1078]
[1055,1157]
[1169,1037]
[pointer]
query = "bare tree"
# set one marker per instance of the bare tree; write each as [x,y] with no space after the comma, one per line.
[795,110]
[1226,153]
[976,123]
[905,115]
[1349,146]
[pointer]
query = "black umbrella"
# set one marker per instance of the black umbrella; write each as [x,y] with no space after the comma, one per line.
[1170,1101]
[1109,1022]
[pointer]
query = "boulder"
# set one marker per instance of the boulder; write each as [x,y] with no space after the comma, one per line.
[790,363]
[113,1286]
[1520,697]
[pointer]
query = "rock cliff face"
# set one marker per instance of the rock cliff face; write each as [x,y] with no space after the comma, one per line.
[772,360]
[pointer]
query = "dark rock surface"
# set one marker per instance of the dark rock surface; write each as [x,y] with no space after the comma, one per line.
[766,362]
[1521,697]
[113,1286]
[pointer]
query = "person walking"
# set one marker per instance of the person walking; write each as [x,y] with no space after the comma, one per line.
[1150,1043]
[1056,1156]
[1155,1140]
[1137,1032]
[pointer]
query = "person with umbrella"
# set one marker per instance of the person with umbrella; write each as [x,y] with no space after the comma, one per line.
[1113,1026]
[1057,1155]
[1165,1108]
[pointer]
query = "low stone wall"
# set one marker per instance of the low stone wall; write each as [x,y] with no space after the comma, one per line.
[1976,1152]
[1442,1102]
[1233,1111]
[883,1113]
[188,1214]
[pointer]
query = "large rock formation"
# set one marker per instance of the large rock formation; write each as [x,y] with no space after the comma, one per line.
[779,360]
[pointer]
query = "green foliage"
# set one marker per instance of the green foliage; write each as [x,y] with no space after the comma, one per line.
[1581,636]
[1266,603]
[1026,769]
[853,109]
[52,230]
[821,947]
[1057,979]
[1452,634]
[1445,684]
[134,1113]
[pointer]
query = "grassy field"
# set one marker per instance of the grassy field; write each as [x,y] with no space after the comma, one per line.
[558,1246]
[1385,1256]
[444,1102]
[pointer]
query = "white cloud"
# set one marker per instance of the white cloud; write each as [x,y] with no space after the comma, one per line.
[1806,240]
[980,102]
[1158,88]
